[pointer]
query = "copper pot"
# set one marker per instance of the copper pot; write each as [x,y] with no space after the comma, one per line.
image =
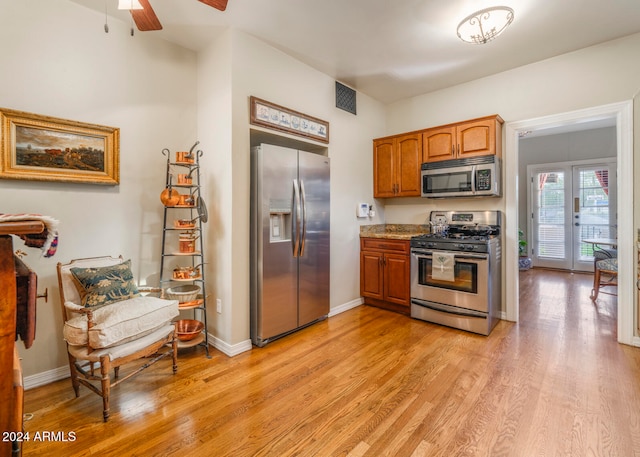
[184,157]
[184,178]
[186,200]
[187,242]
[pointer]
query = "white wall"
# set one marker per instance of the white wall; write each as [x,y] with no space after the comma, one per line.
[58,61]
[264,72]
[214,133]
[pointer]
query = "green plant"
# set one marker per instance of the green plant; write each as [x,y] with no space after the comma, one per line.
[522,243]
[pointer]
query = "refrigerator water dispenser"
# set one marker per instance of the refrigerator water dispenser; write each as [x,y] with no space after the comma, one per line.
[280,226]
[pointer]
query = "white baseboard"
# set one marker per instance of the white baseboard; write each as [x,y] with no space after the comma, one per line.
[346,307]
[46,377]
[231,350]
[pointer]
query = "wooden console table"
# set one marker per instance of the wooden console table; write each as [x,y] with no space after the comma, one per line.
[11,388]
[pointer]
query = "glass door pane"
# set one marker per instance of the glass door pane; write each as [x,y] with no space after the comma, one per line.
[550,218]
[592,203]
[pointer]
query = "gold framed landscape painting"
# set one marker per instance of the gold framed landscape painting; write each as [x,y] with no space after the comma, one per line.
[43,148]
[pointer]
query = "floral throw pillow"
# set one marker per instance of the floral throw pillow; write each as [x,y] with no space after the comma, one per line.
[104,285]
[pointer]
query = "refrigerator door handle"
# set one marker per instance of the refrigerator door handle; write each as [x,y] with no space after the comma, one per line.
[295,220]
[303,229]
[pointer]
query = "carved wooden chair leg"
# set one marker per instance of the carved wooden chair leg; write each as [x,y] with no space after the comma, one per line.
[74,374]
[174,349]
[105,367]
[596,284]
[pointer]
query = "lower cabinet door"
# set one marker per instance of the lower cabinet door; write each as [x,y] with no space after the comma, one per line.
[371,274]
[396,279]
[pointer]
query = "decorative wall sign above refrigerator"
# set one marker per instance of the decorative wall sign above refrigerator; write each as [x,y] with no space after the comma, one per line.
[272,116]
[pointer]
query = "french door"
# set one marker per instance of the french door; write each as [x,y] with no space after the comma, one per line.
[571,202]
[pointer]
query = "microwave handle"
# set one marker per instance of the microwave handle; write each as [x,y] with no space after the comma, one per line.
[473,178]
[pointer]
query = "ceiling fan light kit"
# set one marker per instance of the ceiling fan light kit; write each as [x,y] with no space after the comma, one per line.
[129,5]
[485,25]
[146,19]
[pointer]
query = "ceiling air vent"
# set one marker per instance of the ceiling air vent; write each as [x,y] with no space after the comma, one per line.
[345,98]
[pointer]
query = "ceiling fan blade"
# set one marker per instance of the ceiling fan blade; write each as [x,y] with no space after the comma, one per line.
[217,4]
[146,18]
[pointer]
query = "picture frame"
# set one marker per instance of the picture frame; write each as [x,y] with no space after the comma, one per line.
[276,117]
[44,148]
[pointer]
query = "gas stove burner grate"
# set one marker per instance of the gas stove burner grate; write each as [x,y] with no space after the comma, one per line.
[455,237]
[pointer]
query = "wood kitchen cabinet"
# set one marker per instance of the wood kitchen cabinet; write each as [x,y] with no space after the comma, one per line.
[396,166]
[477,137]
[385,273]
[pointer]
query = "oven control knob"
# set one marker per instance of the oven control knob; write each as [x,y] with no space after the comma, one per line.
[431,245]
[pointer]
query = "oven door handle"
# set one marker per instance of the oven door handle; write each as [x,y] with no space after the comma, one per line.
[449,309]
[417,254]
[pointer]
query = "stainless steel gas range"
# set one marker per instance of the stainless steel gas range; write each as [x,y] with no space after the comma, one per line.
[456,271]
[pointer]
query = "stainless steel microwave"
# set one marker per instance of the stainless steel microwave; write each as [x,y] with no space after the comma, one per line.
[472,177]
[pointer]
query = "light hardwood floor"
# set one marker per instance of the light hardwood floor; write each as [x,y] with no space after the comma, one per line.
[369,382]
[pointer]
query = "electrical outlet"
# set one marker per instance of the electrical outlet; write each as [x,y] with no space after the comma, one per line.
[219,306]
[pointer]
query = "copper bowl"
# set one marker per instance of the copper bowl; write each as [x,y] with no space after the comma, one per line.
[188,329]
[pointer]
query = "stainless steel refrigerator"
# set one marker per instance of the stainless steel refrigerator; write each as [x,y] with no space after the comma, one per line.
[289,241]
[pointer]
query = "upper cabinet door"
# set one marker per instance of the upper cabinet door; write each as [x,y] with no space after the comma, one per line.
[383,168]
[439,144]
[408,161]
[476,138]
[396,166]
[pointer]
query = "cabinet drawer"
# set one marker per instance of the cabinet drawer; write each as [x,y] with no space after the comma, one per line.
[381,244]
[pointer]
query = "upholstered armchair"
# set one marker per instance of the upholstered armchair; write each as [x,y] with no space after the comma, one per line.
[108,323]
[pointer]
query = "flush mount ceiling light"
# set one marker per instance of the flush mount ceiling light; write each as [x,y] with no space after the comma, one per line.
[129,5]
[484,25]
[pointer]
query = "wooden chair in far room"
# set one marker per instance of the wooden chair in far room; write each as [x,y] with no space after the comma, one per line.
[605,274]
[108,324]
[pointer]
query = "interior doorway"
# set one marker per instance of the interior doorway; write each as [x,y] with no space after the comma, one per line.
[622,114]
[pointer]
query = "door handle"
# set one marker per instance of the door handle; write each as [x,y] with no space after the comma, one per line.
[303,229]
[295,221]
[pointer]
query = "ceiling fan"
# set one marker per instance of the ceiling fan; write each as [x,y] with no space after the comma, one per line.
[147,20]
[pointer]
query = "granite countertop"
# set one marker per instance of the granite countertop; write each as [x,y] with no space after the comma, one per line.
[393,231]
